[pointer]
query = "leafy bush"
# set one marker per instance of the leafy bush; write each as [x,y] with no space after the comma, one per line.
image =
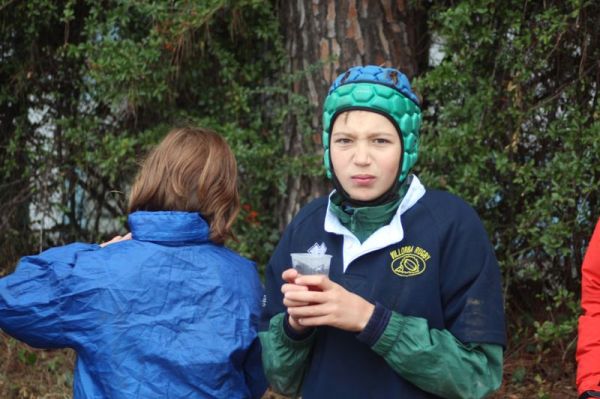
[121,74]
[512,126]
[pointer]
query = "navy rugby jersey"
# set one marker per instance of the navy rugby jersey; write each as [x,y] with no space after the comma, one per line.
[444,270]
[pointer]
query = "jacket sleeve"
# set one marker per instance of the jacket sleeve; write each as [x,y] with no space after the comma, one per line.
[463,357]
[588,342]
[32,299]
[256,380]
[284,358]
[454,370]
[255,377]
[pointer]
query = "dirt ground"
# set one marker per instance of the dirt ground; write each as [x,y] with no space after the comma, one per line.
[27,373]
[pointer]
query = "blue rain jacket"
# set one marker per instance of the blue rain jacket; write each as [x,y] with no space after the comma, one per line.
[168,314]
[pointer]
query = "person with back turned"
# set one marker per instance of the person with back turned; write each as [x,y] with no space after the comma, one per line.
[169,313]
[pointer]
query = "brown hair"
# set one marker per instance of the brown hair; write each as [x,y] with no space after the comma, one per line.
[194,170]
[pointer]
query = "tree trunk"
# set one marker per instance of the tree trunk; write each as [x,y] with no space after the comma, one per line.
[325,37]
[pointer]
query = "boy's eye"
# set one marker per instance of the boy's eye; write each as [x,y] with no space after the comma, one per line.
[342,140]
[381,141]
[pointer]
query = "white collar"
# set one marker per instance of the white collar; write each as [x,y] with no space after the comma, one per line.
[382,237]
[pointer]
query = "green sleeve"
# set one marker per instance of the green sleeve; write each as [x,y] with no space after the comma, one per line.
[437,362]
[284,359]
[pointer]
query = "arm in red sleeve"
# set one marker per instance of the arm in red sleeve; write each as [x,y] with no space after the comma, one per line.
[588,343]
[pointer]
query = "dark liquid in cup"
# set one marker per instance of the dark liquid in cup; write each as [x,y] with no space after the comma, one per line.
[307,270]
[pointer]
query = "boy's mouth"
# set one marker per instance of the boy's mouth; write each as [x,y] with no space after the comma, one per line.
[363,179]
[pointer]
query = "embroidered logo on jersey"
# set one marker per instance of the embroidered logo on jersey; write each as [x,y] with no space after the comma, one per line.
[409,260]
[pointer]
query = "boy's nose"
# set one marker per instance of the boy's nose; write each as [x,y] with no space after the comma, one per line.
[362,155]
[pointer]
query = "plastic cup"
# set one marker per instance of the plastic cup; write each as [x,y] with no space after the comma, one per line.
[308,264]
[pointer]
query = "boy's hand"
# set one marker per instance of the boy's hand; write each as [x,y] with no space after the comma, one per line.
[117,239]
[332,306]
[290,276]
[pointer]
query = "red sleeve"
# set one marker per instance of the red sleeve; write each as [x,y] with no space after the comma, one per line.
[588,343]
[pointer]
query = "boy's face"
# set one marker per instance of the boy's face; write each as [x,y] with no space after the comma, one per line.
[365,153]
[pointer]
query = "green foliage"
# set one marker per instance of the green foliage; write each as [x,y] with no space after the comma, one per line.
[513,127]
[27,357]
[33,373]
[563,312]
[107,80]
[519,375]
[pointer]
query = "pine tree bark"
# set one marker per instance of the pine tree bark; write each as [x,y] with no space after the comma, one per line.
[324,38]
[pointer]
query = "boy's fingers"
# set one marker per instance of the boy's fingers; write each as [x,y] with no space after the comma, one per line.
[114,239]
[313,321]
[289,275]
[289,287]
[304,296]
[311,311]
[317,280]
[292,304]
[117,239]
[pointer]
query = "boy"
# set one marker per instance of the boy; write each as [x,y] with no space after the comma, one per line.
[412,307]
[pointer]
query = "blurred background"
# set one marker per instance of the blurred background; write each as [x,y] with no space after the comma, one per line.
[511,124]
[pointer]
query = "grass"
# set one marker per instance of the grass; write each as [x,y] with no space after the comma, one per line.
[27,373]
